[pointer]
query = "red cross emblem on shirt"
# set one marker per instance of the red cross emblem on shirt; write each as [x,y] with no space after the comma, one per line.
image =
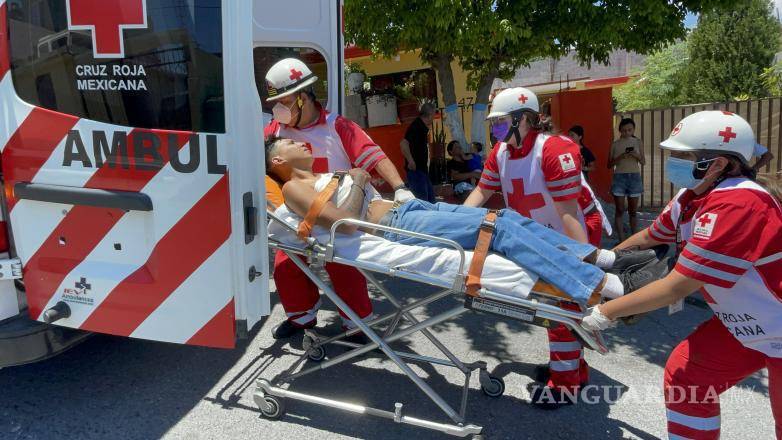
[107,19]
[705,220]
[523,98]
[524,203]
[295,74]
[727,134]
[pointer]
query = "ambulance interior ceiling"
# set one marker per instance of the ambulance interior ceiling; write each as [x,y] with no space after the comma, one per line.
[265,57]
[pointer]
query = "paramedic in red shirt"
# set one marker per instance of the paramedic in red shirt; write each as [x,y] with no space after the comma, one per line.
[337,144]
[729,230]
[540,177]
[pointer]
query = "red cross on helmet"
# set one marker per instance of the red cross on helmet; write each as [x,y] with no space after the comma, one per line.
[287,77]
[513,100]
[713,130]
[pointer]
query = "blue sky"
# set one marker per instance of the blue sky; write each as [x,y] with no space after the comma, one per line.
[691,19]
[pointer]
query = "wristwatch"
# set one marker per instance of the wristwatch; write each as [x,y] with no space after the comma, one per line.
[400,186]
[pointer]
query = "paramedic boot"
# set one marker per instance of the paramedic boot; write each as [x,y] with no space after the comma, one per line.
[629,260]
[551,398]
[542,374]
[287,329]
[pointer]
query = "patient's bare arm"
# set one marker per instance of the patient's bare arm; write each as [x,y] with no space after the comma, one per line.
[300,195]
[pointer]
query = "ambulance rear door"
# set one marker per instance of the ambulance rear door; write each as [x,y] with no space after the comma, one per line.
[304,29]
[128,144]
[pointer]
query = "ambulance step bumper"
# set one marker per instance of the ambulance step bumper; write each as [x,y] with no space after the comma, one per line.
[24,341]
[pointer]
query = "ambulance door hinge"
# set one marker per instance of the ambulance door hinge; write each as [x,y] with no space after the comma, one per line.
[10,269]
[250,218]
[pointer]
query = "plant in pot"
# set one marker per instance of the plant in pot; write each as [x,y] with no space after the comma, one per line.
[354,78]
[381,106]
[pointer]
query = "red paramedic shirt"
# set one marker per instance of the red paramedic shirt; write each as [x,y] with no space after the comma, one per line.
[732,240]
[560,164]
[338,143]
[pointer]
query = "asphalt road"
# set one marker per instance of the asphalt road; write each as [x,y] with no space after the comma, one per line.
[130,389]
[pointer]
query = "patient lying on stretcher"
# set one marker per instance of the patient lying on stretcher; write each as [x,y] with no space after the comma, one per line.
[569,266]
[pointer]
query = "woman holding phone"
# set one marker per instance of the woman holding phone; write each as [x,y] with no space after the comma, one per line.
[627,158]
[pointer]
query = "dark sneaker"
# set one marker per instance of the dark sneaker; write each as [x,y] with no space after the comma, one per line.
[548,398]
[635,279]
[287,329]
[632,259]
[542,374]
[358,338]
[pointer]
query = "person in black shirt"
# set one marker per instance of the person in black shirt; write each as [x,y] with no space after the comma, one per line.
[459,170]
[415,149]
[587,158]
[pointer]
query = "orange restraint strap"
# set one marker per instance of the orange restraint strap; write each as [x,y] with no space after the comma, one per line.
[306,225]
[480,252]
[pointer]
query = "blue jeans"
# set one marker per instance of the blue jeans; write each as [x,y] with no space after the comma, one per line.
[555,258]
[627,184]
[420,185]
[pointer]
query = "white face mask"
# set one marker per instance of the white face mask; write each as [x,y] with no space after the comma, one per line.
[282,113]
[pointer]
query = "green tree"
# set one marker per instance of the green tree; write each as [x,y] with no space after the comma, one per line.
[493,38]
[729,50]
[658,83]
[772,79]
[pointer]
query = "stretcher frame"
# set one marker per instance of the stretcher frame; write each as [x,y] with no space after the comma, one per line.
[270,394]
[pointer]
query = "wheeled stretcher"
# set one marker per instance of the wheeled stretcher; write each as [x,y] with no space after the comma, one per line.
[537,304]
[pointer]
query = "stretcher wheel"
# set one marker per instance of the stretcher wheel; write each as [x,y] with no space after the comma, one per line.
[316,354]
[496,387]
[274,408]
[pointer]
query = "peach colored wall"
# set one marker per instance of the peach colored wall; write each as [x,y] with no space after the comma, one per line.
[593,110]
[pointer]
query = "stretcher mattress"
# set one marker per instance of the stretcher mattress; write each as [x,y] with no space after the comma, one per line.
[499,275]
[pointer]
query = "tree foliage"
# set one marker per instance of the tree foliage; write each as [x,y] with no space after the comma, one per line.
[493,38]
[658,84]
[729,50]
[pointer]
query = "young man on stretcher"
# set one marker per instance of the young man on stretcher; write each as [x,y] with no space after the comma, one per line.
[572,267]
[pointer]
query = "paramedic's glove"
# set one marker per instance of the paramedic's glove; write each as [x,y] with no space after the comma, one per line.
[402,196]
[596,320]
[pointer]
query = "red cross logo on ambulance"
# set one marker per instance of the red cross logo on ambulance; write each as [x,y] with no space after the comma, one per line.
[107,19]
[567,162]
[704,225]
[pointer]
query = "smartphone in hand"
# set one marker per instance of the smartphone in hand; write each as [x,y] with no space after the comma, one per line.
[629,149]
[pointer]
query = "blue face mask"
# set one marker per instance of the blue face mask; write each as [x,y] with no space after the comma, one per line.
[500,130]
[679,172]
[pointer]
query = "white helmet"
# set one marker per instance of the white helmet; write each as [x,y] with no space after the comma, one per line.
[513,100]
[713,130]
[287,77]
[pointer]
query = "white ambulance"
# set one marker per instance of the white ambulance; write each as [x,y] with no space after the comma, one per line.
[131,138]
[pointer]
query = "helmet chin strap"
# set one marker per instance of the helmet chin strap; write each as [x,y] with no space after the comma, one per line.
[514,131]
[300,105]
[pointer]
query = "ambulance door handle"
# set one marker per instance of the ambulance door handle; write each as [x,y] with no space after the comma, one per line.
[250,218]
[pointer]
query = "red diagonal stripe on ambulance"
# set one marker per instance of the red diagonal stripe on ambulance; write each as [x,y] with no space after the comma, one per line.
[82,228]
[202,230]
[32,144]
[134,179]
[219,331]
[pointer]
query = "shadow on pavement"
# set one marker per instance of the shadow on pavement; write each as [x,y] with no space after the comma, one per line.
[111,387]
